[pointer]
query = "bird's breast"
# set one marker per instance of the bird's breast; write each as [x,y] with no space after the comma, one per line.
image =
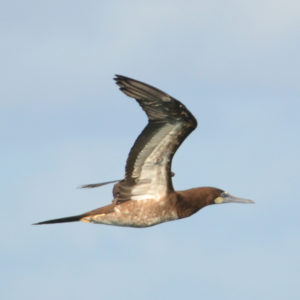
[142,213]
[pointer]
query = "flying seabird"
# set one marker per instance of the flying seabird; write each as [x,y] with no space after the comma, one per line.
[146,197]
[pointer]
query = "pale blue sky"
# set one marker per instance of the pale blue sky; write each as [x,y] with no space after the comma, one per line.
[63,122]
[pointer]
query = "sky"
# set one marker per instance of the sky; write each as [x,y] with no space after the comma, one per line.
[63,123]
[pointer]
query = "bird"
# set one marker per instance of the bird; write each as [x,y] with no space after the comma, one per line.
[146,196]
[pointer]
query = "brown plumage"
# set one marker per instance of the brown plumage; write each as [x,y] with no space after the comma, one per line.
[146,197]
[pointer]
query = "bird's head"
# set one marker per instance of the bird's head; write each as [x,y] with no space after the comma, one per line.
[194,199]
[210,195]
[221,197]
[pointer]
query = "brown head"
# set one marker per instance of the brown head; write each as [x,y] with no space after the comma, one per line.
[190,201]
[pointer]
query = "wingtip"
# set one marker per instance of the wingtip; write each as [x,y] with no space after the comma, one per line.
[95,185]
[118,77]
[118,80]
[84,186]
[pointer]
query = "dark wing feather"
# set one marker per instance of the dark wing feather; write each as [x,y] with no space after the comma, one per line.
[94,185]
[148,167]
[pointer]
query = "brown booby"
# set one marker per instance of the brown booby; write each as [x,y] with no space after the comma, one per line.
[146,197]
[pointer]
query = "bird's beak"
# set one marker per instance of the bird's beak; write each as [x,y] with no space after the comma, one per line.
[227,198]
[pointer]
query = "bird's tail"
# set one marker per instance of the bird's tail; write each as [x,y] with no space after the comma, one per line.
[62,220]
[98,211]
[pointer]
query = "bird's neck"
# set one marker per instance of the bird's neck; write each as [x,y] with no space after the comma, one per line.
[190,201]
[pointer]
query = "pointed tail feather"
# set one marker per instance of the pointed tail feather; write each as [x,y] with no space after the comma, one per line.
[62,220]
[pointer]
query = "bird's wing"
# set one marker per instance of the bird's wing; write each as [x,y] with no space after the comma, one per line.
[95,185]
[148,168]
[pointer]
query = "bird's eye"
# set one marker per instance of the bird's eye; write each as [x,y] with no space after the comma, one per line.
[224,194]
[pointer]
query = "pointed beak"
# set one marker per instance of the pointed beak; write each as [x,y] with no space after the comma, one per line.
[227,198]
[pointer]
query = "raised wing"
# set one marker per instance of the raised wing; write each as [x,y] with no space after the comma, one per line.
[148,168]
